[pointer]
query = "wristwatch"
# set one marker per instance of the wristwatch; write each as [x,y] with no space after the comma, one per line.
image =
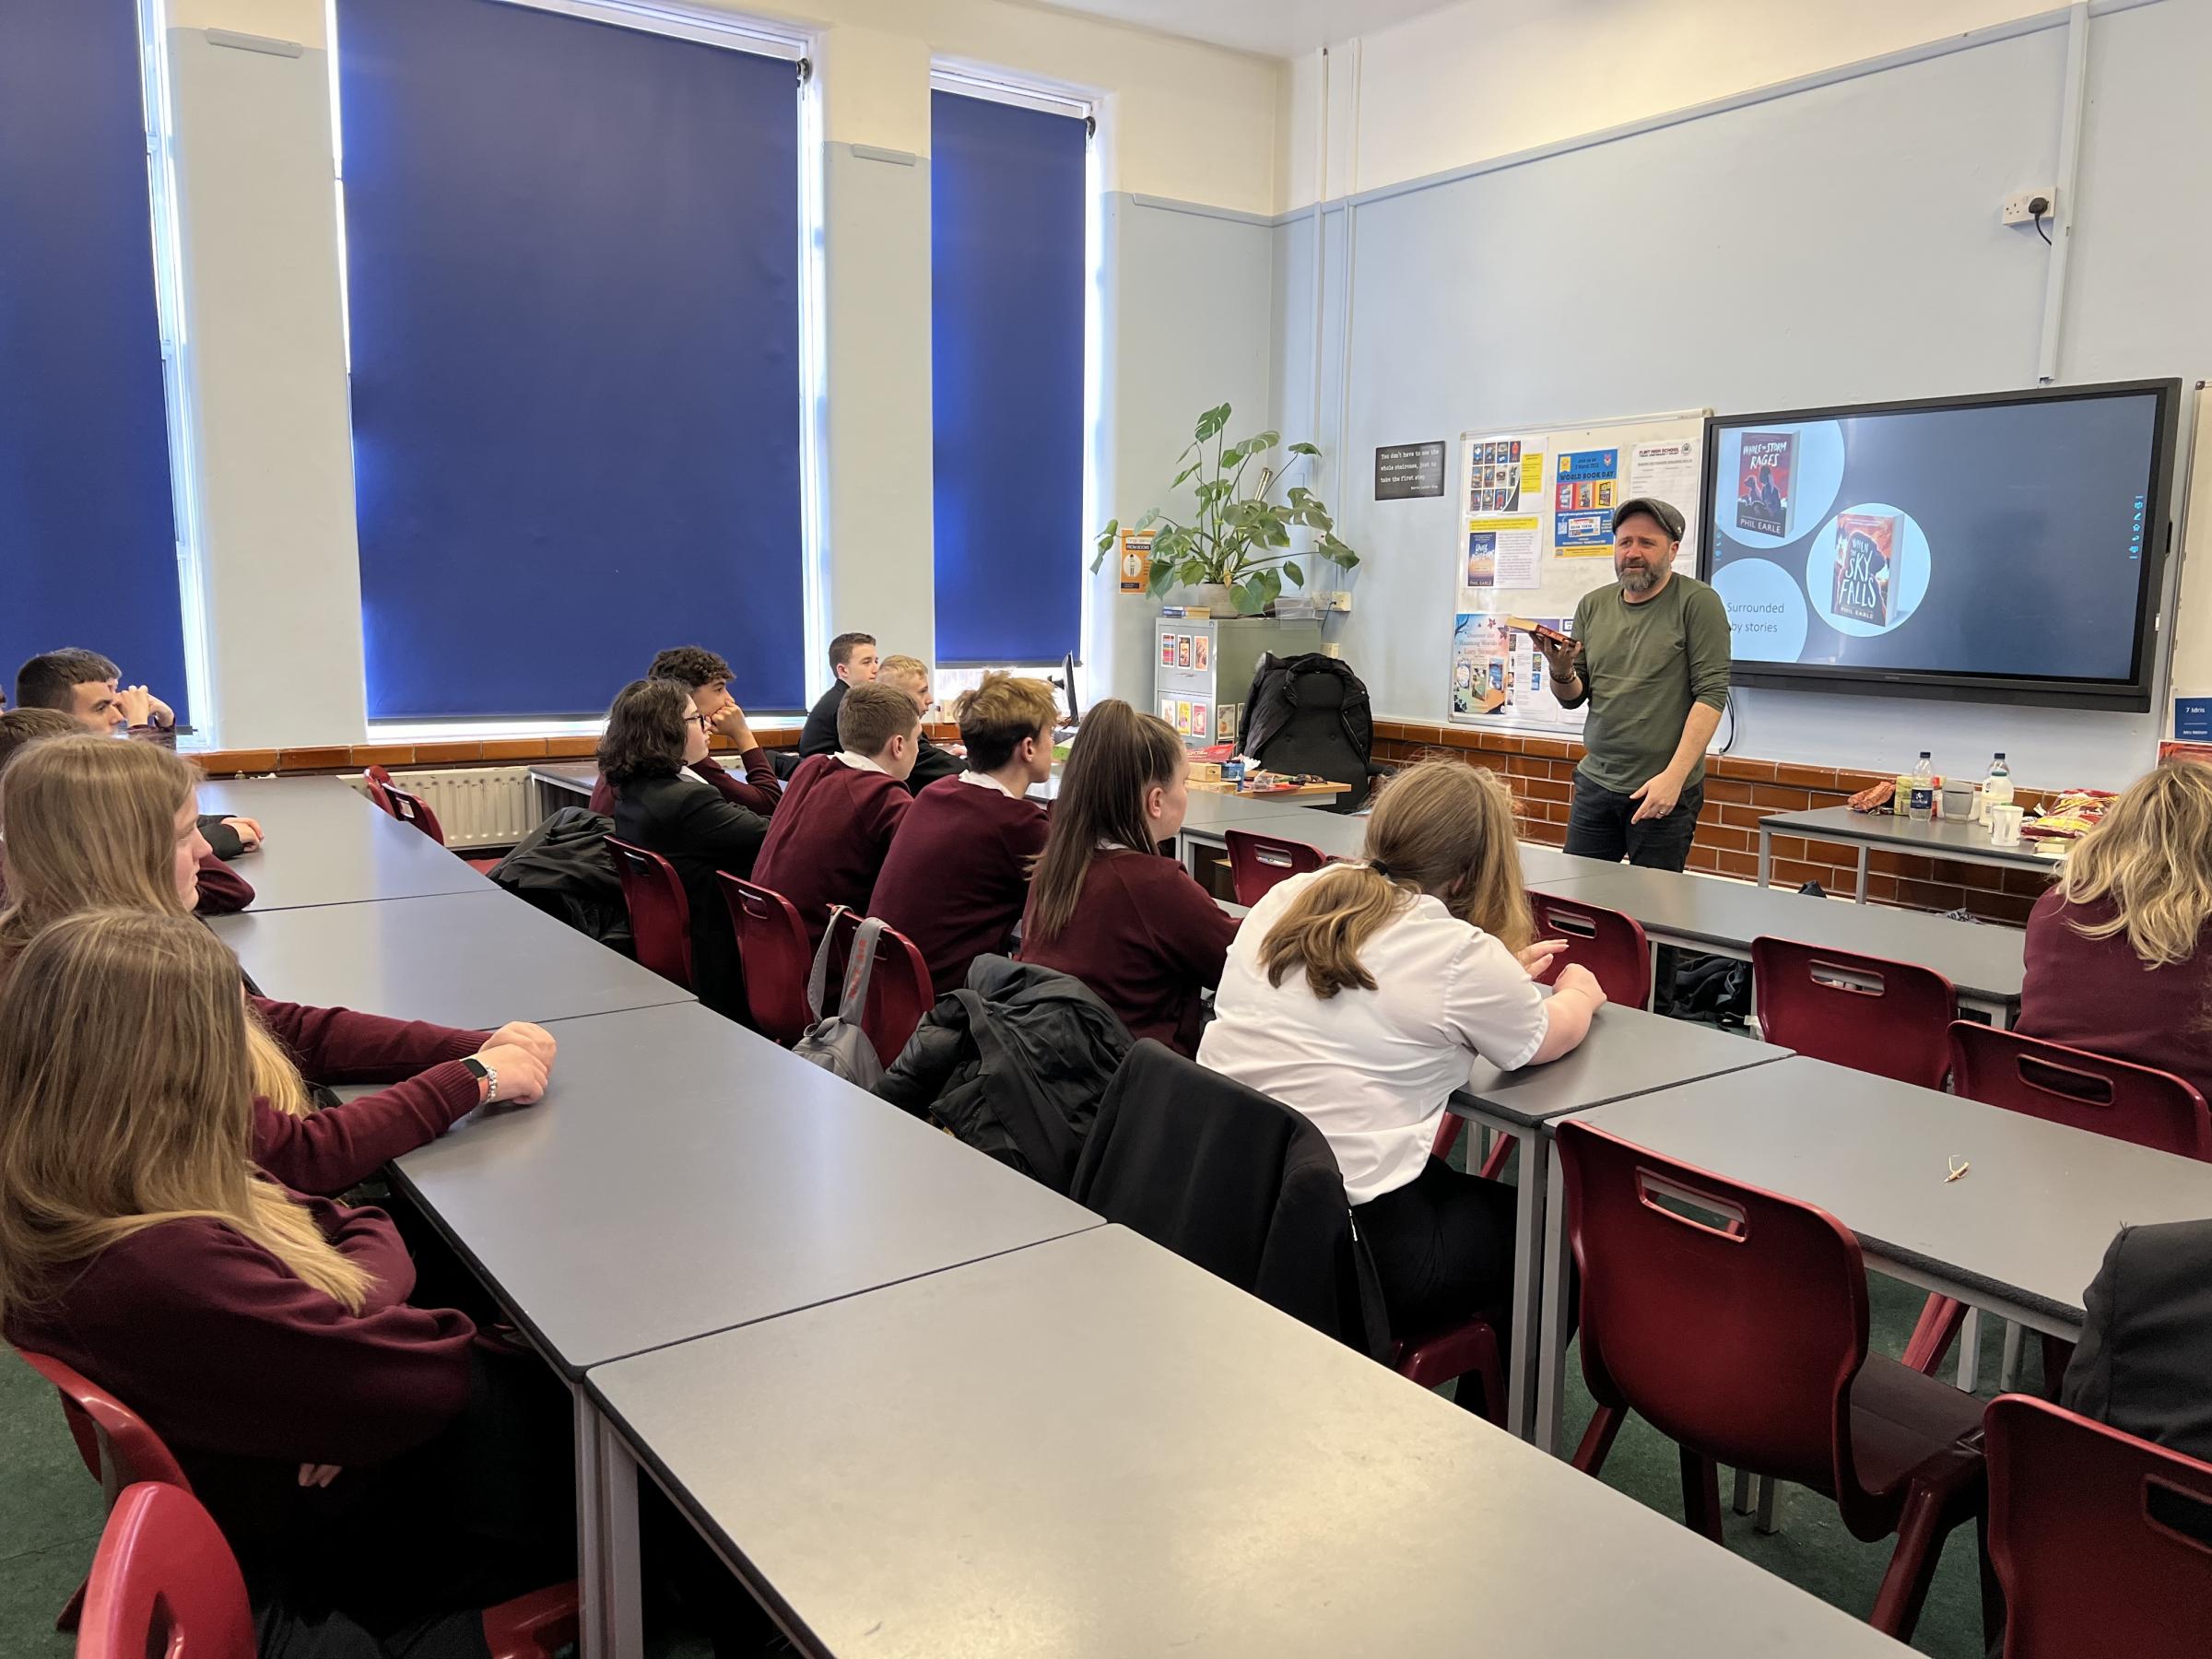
[488,1080]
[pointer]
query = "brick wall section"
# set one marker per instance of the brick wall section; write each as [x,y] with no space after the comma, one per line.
[1738,793]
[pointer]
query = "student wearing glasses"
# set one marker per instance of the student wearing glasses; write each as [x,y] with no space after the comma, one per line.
[655,737]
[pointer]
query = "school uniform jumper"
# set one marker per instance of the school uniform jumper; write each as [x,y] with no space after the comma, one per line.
[958,873]
[827,843]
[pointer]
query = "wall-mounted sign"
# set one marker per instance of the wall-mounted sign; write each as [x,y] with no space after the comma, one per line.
[1405,470]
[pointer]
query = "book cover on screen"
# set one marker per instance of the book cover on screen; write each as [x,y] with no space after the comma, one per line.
[1762,486]
[1866,548]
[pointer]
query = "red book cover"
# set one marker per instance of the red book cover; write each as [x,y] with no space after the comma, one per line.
[1763,482]
[1865,549]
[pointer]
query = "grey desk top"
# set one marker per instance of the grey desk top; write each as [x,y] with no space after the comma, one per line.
[1982,960]
[1094,1450]
[472,959]
[579,775]
[683,1175]
[329,845]
[2028,1221]
[1343,835]
[1629,1052]
[1210,814]
[1939,838]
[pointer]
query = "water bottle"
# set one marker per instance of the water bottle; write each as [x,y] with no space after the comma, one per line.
[1922,805]
[1996,789]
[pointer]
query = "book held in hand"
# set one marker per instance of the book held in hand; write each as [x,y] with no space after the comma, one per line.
[1865,549]
[1763,482]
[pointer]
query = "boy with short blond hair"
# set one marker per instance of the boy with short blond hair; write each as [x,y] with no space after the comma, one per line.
[958,873]
[910,674]
[834,826]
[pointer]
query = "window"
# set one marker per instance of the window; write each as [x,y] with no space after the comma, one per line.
[572,262]
[89,547]
[1007,268]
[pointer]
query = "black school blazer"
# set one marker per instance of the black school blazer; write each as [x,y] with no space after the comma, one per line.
[699,833]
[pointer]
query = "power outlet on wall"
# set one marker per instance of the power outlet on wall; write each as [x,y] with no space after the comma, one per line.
[2019,209]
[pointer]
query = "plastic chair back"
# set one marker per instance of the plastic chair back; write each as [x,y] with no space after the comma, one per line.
[2079,1090]
[116,1443]
[1891,1019]
[410,808]
[164,1583]
[380,787]
[660,915]
[773,949]
[1257,862]
[2102,1542]
[1610,944]
[1734,1319]
[899,988]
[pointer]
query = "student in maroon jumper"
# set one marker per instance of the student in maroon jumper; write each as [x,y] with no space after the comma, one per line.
[365,1456]
[221,890]
[2120,951]
[1104,906]
[96,825]
[827,843]
[707,676]
[958,870]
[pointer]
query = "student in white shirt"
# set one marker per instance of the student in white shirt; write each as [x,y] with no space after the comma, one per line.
[1361,994]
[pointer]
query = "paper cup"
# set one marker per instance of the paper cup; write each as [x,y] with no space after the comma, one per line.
[2004,825]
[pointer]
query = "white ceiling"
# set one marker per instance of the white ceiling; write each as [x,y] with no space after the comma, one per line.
[1280,28]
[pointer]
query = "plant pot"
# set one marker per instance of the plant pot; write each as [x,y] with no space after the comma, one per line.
[1216,596]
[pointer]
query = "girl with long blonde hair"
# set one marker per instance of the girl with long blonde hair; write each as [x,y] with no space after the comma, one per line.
[1103,906]
[1360,995]
[90,823]
[266,1336]
[2119,950]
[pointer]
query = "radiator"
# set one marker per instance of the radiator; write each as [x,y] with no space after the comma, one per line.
[476,806]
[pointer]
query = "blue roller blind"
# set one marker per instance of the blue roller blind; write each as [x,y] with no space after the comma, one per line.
[1006,274]
[572,261]
[87,525]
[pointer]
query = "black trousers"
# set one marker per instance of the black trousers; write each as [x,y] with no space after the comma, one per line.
[1442,1246]
[1601,825]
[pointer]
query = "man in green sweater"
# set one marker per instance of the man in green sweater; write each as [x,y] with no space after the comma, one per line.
[1650,655]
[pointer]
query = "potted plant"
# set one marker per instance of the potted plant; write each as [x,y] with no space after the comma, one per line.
[1234,547]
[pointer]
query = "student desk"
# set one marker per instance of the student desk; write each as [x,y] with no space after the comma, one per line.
[2022,1233]
[557,783]
[1986,963]
[1937,838]
[329,845]
[683,1176]
[1093,1450]
[472,959]
[1332,834]
[1629,1052]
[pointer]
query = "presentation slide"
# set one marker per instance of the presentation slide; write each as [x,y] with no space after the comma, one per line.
[1996,539]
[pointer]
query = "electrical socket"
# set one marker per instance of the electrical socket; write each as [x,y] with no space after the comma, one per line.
[1340,601]
[2015,210]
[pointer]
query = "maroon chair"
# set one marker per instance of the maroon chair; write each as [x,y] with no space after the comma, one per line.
[2101,1541]
[1257,862]
[899,988]
[1610,944]
[660,913]
[1743,1338]
[776,957]
[1891,1019]
[117,1446]
[164,1581]
[2077,1089]
[410,808]
[2081,1090]
[380,785]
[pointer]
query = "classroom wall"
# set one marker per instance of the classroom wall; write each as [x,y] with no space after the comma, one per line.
[1179,122]
[1618,277]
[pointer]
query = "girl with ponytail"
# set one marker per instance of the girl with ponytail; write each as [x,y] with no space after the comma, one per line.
[1361,994]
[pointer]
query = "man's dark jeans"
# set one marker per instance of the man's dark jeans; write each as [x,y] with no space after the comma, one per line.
[1600,826]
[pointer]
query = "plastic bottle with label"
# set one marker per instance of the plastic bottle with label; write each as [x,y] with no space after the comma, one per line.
[1996,789]
[1922,805]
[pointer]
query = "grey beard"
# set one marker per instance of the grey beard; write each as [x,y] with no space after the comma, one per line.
[1638,581]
